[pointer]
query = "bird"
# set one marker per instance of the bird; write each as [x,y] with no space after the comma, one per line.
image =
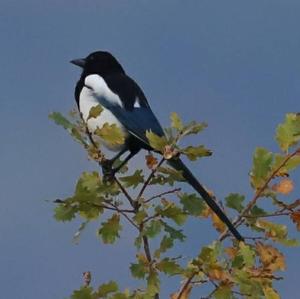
[104,82]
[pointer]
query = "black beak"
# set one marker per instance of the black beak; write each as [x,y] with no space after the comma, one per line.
[79,62]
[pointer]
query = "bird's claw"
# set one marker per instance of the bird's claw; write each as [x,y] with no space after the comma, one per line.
[108,171]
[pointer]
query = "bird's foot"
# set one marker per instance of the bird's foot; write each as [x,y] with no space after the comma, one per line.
[108,171]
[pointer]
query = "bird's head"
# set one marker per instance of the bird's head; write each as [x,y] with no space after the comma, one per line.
[100,62]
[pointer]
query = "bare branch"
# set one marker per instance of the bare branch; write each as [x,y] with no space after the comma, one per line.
[162,194]
[131,201]
[149,178]
[185,286]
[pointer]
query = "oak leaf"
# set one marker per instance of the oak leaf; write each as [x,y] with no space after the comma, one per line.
[285,186]
[295,216]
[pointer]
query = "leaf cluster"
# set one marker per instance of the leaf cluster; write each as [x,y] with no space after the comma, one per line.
[233,270]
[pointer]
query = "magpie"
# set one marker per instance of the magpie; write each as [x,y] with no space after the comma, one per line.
[104,82]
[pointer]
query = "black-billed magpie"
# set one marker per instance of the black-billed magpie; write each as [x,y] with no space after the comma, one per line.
[103,81]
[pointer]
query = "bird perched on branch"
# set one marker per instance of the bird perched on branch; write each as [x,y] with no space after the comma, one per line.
[104,82]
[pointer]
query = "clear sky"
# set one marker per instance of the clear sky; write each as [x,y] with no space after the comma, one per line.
[233,64]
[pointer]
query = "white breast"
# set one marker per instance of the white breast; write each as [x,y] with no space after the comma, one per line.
[88,99]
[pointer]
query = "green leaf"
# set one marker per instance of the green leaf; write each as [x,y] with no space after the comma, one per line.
[262,166]
[153,228]
[176,122]
[156,142]
[168,266]
[290,165]
[173,212]
[88,195]
[192,204]
[111,134]
[289,242]
[238,262]
[89,180]
[138,241]
[234,201]
[208,255]
[273,230]
[120,296]
[248,254]
[193,128]
[196,152]
[60,120]
[153,283]
[133,180]
[65,212]
[174,233]
[165,244]
[110,229]
[257,211]
[107,288]
[95,111]
[166,175]
[77,235]
[141,268]
[248,285]
[138,270]
[83,293]
[140,216]
[223,292]
[288,133]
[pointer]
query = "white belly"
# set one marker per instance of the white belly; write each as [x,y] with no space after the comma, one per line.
[87,100]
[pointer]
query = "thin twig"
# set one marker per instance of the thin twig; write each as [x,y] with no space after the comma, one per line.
[268,215]
[147,249]
[186,285]
[210,294]
[255,238]
[113,207]
[201,281]
[150,217]
[149,179]
[125,215]
[162,194]
[148,253]
[131,201]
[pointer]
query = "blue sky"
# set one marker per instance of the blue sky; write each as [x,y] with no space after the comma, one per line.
[233,64]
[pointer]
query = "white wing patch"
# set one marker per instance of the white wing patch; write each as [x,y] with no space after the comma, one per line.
[100,89]
[137,103]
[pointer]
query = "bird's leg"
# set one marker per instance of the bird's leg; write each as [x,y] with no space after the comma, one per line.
[107,165]
[109,174]
[124,162]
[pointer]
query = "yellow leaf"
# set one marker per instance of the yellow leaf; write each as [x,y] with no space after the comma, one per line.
[176,121]
[218,223]
[270,293]
[111,134]
[206,212]
[151,161]
[185,294]
[285,186]
[270,257]
[295,216]
[231,252]
[216,272]
[95,112]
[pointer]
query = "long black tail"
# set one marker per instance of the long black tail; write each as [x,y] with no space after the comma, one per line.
[186,173]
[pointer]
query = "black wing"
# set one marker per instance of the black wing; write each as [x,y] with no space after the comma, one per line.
[137,120]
